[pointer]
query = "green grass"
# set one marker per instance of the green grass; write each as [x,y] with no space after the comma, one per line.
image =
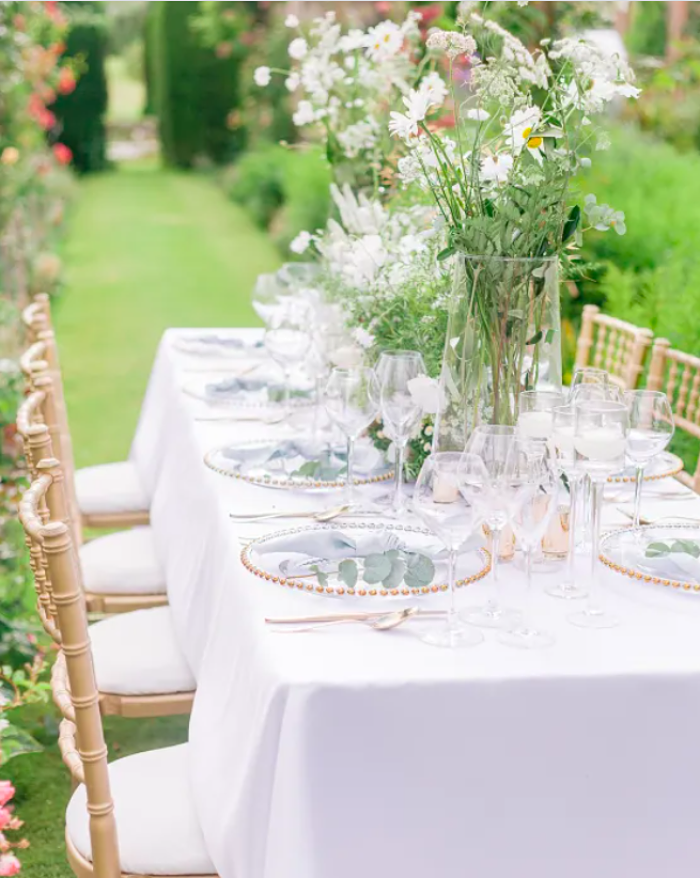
[146,249]
[127,95]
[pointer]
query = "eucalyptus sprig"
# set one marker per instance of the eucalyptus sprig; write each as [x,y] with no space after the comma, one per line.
[679,547]
[389,569]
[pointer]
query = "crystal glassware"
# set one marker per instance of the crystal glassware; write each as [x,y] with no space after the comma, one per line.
[493,444]
[588,376]
[600,438]
[535,408]
[651,430]
[351,402]
[451,514]
[533,500]
[563,440]
[400,411]
[287,342]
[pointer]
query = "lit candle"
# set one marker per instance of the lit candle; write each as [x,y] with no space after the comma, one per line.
[445,488]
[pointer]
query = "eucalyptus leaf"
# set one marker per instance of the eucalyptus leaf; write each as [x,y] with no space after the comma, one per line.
[421,571]
[657,550]
[377,568]
[320,575]
[398,571]
[347,572]
[686,547]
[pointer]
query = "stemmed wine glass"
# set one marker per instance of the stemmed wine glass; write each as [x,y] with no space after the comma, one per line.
[451,514]
[533,501]
[588,376]
[651,430]
[493,444]
[400,411]
[535,408]
[351,402]
[563,440]
[600,438]
[287,341]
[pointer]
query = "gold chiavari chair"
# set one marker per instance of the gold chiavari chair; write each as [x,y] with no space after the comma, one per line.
[132,818]
[678,375]
[121,571]
[107,495]
[614,345]
[139,667]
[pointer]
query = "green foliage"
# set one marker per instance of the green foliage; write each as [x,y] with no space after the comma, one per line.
[81,113]
[647,33]
[196,83]
[388,569]
[285,190]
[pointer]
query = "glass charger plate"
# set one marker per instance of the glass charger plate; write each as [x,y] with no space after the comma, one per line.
[261,390]
[287,558]
[663,466]
[297,464]
[657,554]
[218,346]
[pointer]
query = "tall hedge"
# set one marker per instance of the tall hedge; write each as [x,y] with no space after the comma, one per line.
[81,114]
[194,89]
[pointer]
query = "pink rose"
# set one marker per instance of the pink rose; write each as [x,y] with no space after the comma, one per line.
[5,818]
[9,865]
[7,791]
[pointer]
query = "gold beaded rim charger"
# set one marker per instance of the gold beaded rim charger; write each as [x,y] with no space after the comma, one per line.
[472,565]
[222,460]
[657,554]
[663,466]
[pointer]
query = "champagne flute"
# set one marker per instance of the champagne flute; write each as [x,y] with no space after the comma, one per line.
[452,515]
[351,402]
[533,502]
[535,413]
[651,430]
[400,411]
[563,440]
[493,444]
[600,439]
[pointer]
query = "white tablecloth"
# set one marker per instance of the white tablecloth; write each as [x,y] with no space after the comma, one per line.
[351,753]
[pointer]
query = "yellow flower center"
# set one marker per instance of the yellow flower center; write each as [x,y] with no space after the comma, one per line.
[527,132]
[386,38]
[534,142]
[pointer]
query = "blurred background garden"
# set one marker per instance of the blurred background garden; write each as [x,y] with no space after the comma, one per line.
[146,181]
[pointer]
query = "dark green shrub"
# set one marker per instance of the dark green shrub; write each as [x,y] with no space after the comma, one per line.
[256,182]
[81,113]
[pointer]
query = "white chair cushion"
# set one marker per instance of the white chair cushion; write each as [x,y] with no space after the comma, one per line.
[110,488]
[157,827]
[122,563]
[137,654]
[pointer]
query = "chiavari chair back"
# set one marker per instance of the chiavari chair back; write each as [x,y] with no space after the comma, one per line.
[678,375]
[614,345]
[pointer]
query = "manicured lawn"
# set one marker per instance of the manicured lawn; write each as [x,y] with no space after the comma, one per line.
[126,94]
[146,249]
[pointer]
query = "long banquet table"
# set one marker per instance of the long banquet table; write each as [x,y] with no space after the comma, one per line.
[350,753]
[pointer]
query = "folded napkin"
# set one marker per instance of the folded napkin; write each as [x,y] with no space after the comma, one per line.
[221,341]
[233,386]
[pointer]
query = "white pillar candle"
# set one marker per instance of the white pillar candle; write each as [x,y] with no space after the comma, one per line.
[535,425]
[445,488]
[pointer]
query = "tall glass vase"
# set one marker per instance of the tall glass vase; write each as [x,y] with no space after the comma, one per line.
[503,337]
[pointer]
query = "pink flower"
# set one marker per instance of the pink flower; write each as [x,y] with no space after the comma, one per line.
[62,153]
[66,81]
[4,844]
[7,791]
[5,818]
[9,865]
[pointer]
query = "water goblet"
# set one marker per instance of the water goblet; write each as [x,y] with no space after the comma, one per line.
[563,440]
[535,413]
[651,430]
[588,376]
[401,413]
[493,444]
[533,500]
[267,297]
[600,439]
[351,402]
[287,342]
[452,515]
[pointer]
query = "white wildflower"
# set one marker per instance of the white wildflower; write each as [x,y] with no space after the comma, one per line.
[433,87]
[521,130]
[291,21]
[477,115]
[305,114]
[292,81]
[301,243]
[298,49]
[384,41]
[496,168]
[262,76]
[358,137]
[452,43]
[427,393]
[362,337]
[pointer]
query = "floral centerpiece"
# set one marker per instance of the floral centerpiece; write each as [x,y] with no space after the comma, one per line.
[493,134]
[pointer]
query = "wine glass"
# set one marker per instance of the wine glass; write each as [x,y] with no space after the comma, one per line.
[452,516]
[563,440]
[351,402]
[267,297]
[533,500]
[400,411]
[493,444]
[600,438]
[287,342]
[588,376]
[535,413]
[651,430]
